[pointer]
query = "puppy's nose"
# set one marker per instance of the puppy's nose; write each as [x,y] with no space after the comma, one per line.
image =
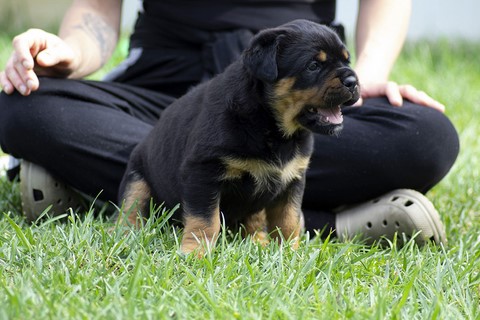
[350,82]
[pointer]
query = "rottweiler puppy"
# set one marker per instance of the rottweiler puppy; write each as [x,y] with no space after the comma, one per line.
[238,145]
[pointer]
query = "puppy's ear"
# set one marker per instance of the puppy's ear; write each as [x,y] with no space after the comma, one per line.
[261,57]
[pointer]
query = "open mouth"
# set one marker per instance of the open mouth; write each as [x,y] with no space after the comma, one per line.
[327,115]
[322,120]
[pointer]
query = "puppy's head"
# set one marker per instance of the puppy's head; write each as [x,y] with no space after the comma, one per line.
[305,70]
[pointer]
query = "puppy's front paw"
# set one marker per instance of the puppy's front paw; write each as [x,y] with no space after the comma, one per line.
[295,243]
[261,237]
[200,233]
[198,244]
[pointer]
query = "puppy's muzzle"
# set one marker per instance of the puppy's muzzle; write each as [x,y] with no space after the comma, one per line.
[350,82]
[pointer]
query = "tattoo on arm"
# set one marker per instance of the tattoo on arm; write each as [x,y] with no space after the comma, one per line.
[101,32]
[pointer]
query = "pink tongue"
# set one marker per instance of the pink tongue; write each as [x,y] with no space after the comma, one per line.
[332,115]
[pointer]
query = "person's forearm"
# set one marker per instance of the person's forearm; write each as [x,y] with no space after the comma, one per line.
[91,28]
[381,30]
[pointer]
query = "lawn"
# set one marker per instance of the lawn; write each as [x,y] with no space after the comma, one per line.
[78,270]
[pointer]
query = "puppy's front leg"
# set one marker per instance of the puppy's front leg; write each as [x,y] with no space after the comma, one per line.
[200,203]
[285,214]
[285,218]
[200,230]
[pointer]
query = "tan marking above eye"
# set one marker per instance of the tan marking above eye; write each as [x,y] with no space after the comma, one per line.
[322,56]
[346,54]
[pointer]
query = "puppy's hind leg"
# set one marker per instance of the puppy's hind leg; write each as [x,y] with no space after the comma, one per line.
[136,197]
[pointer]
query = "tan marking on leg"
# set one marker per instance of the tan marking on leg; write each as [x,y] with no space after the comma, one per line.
[284,218]
[137,196]
[255,226]
[200,231]
[322,56]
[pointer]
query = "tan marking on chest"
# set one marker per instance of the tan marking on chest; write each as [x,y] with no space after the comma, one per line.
[264,173]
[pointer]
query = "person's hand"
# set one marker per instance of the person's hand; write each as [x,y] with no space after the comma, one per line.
[36,53]
[395,94]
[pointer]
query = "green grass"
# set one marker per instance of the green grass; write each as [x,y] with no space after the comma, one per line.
[77,269]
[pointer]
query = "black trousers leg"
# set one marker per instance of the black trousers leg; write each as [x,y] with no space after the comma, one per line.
[80,131]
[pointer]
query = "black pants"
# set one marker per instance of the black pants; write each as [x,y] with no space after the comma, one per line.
[84,131]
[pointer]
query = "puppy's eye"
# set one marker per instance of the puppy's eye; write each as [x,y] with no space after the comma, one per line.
[313,66]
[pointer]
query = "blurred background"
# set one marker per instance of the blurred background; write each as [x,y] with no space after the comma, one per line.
[431,19]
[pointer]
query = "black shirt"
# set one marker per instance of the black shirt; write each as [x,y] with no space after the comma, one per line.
[162,19]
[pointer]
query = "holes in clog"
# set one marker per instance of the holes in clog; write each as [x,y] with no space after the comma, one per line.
[408,203]
[369,225]
[38,195]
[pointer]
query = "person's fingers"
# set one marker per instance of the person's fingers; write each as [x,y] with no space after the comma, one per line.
[392,92]
[420,97]
[430,102]
[397,93]
[36,52]
[19,69]
[56,60]
[32,82]
[6,85]
[48,57]
[17,81]
[24,49]
[408,90]
[22,80]
[27,75]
